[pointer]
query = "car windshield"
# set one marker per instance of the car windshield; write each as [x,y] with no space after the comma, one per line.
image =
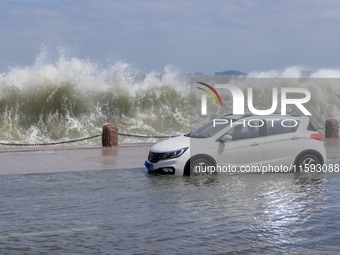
[209,130]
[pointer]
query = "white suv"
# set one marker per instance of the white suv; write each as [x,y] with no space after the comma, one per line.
[237,141]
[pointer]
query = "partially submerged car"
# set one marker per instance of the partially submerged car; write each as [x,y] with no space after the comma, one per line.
[237,141]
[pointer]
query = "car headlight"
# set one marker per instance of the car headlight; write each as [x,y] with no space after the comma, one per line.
[174,154]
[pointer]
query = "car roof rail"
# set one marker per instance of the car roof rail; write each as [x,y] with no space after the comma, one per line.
[247,114]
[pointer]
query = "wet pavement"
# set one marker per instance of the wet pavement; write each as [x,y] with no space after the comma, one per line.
[70,158]
[84,158]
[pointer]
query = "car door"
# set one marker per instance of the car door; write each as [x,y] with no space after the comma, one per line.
[245,148]
[283,141]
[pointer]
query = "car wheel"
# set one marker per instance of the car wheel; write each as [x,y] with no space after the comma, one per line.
[306,160]
[201,166]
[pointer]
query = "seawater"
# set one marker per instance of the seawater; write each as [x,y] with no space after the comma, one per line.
[74,98]
[128,211]
[71,98]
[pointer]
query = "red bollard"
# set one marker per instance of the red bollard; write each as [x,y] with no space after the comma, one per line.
[332,128]
[110,136]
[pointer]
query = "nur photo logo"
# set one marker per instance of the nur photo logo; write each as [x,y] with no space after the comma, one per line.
[239,99]
[211,91]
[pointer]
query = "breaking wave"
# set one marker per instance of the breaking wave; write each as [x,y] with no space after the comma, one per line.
[72,98]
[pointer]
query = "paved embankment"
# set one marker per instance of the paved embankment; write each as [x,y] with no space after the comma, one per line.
[70,158]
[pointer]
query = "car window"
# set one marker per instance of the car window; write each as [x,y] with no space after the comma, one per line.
[281,126]
[311,126]
[245,131]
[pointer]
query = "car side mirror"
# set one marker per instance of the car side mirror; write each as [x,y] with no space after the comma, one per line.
[225,138]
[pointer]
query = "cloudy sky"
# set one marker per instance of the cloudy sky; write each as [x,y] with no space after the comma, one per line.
[193,35]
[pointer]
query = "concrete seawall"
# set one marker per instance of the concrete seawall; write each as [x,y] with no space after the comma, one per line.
[84,158]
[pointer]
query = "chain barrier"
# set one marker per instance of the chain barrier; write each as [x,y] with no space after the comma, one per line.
[81,139]
[147,136]
[46,144]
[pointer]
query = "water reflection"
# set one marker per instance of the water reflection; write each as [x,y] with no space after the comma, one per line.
[309,179]
[108,156]
[258,208]
[285,208]
[129,211]
[201,180]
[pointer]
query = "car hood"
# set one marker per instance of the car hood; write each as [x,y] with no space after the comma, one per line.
[171,144]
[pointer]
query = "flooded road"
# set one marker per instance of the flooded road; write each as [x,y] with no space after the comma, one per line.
[128,211]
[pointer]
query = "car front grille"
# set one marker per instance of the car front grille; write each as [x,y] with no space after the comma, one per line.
[155,157]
